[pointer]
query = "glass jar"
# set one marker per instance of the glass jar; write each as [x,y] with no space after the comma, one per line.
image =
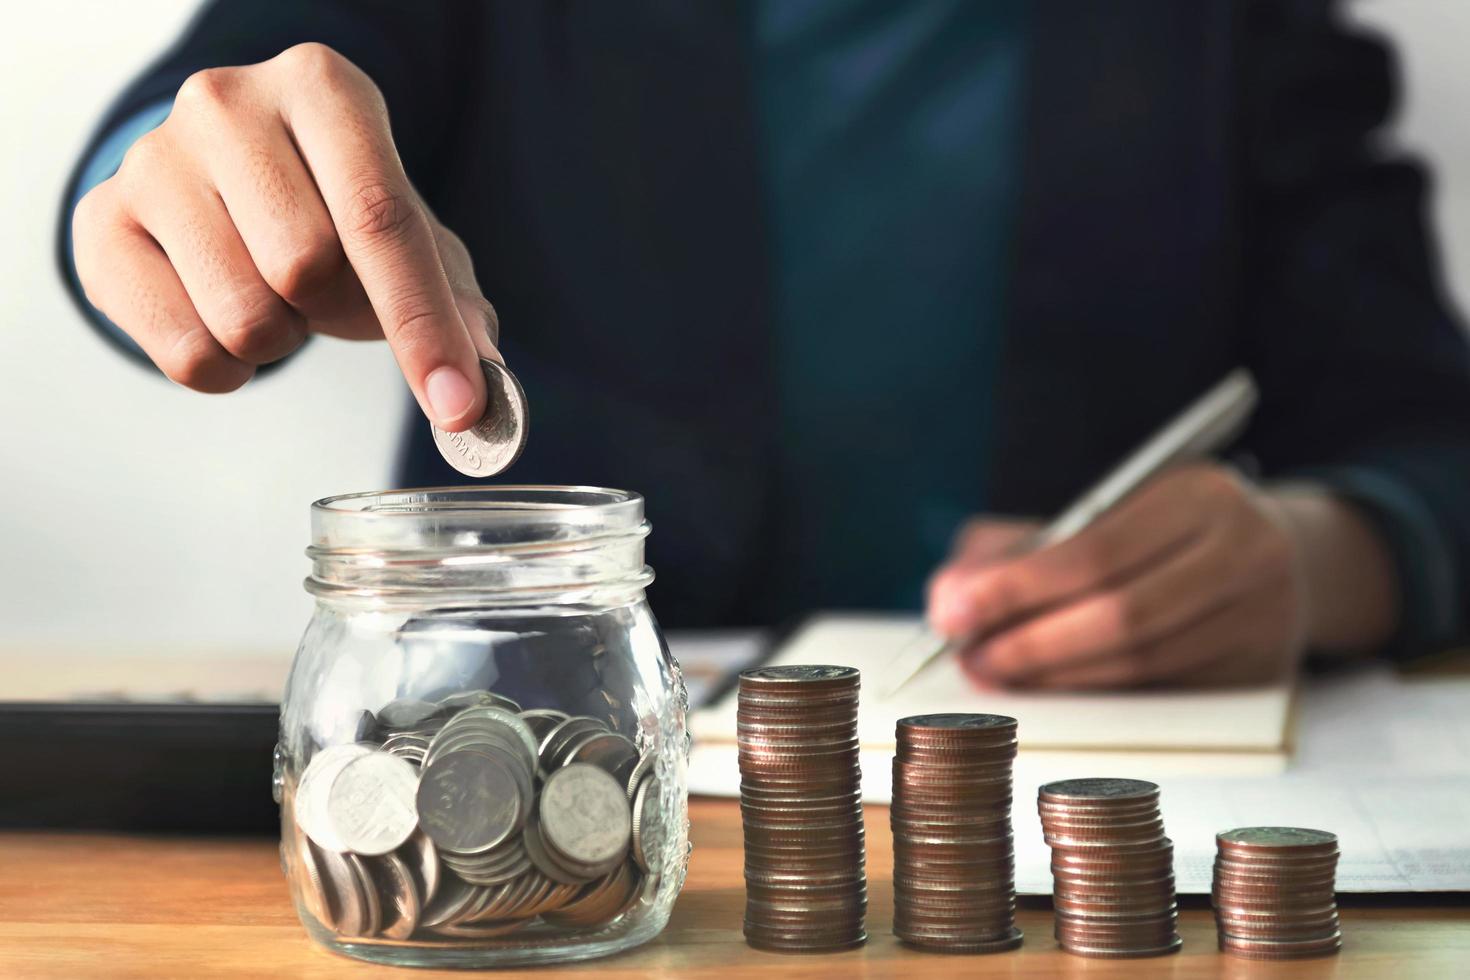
[483,744]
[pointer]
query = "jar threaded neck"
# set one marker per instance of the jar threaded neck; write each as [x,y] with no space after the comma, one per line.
[479,545]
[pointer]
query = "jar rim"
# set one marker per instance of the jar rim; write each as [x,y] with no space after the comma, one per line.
[512,501]
[497,516]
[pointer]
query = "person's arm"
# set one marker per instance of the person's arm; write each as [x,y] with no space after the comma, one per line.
[1358,537]
[274,202]
[1364,368]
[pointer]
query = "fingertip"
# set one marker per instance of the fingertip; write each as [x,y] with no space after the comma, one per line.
[454,401]
[950,608]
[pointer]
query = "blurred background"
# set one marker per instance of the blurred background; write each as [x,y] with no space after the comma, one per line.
[136,517]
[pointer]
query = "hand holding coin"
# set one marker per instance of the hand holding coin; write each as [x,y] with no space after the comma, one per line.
[272,205]
[495,441]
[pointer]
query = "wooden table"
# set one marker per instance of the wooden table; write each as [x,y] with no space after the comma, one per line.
[99,905]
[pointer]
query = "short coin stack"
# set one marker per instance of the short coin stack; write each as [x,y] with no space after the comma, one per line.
[801,805]
[470,818]
[1112,867]
[953,849]
[1275,893]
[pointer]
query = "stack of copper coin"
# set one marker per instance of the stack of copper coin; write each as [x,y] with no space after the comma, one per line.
[801,806]
[1112,867]
[953,850]
[1275,893]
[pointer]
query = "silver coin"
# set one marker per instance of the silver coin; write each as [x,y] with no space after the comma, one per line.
[495,866]
[493,443]
[371,803]
[350,904]
[543,720]
[553,896]
[504,747]
[483,718]
[368,890]
[483,738]
[801,673]
[531,903]
[511,720]
[546,862]
[422,858]
[481,901]
[555,742]
[1278,837]
[644,767]
[469,802]
[313,888]
[510,897]
[410,748]
[496,878]
[585,814]
[958,720]
[1101,788]
[405,713]
[648,824]
[453,898]
[396,881]
[478,699]
[316,782]
[500,865]
[609,751]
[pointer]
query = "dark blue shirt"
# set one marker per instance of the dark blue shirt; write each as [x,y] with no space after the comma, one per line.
[889,138]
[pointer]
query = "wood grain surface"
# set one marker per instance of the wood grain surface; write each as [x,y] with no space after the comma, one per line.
[103,905]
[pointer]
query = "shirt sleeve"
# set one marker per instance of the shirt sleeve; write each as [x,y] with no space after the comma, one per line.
[1363,362]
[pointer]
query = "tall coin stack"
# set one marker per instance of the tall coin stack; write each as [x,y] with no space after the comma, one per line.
[1275,893]
[1112,867]
[953,849]
[801,806]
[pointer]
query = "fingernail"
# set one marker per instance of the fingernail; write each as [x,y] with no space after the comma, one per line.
[450,394]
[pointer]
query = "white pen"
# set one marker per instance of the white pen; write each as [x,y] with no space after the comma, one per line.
[1201,429]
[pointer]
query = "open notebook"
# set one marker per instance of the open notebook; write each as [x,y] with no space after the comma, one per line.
[1150,734]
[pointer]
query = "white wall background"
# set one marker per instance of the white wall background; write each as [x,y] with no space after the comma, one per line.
[136,515]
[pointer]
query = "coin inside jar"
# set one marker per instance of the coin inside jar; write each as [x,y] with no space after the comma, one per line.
[316,784]
[436,829]
[371,803]
[493,443]
[468,801]
[584,814]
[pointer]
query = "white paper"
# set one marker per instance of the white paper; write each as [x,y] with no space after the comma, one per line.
[1250,721]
